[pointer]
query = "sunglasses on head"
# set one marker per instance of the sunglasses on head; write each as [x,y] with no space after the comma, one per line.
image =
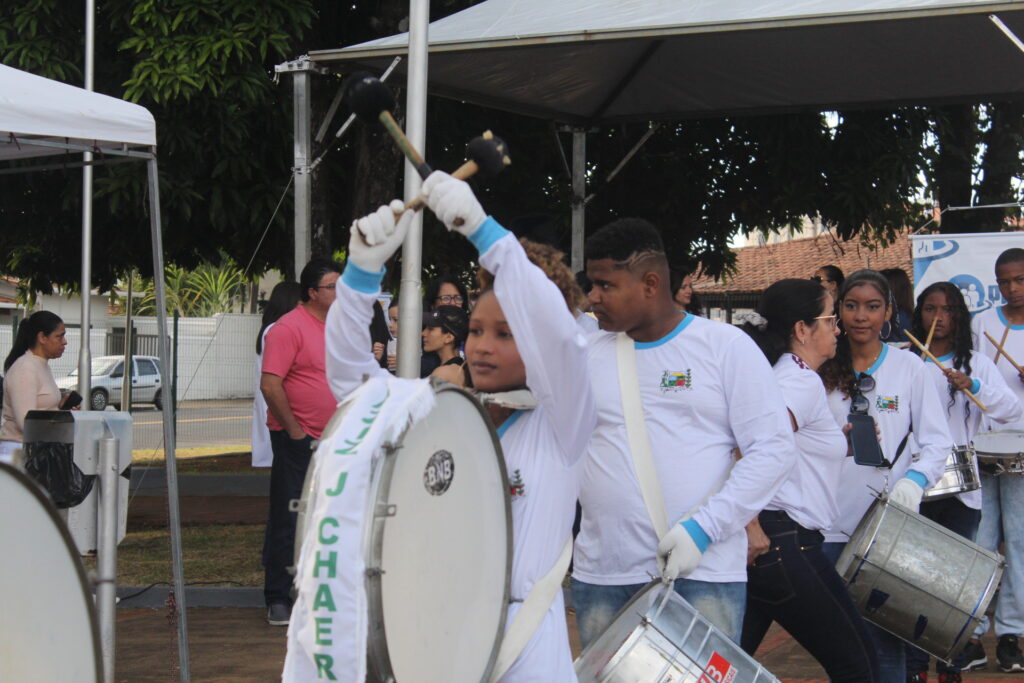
[859,403]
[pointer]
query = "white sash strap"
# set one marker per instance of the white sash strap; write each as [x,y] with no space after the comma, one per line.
[636,431]
[531,613]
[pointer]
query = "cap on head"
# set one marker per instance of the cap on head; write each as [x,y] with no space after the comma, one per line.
[451,319]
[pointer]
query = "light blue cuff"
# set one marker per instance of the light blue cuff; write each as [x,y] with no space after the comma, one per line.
[697,533]
[489,232]
[362,280]
[975,386]
[917,478]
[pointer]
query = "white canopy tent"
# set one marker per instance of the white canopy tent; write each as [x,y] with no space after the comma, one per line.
[584,62]
[41,117]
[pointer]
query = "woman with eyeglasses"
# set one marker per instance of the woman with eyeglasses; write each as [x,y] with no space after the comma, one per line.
[942,304]
[829,277]
[789,579]
[893,386]
[444,290]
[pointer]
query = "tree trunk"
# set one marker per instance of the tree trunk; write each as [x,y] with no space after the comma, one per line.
[1001,163]
[956,127]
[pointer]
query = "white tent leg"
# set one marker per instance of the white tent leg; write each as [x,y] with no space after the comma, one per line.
[303,177]
[168,413]
[579,191]
[409,300]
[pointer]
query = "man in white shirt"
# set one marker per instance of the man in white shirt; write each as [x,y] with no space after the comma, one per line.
[706,389]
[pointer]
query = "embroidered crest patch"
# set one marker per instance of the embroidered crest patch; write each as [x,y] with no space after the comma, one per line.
[677,381]
[887,404]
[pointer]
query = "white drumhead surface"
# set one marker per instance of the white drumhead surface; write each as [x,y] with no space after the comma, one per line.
[445,555]
[48,630]
[995,444]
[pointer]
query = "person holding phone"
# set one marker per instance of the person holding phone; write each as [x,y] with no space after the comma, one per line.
[894,388]
[789,579]
[942,304]
[29,384]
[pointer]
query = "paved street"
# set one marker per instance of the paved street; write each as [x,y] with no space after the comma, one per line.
[220,425]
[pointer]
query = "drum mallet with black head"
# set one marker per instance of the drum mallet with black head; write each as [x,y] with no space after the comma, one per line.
[371,100]
[486,155]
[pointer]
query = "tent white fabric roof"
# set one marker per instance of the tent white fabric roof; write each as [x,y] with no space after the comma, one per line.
[36,110]
[583,61]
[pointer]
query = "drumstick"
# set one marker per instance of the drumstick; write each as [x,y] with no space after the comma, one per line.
[935,360]
[931,333]
[1001,350]
[486,155]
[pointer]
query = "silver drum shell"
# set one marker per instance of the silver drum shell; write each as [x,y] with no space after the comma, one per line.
[961,475]
[670,644]
[918,580]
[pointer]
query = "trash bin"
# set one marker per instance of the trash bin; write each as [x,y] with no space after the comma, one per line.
[61,453]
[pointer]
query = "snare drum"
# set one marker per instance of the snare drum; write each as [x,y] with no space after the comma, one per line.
[654,640]
[918,580]
[1004,450]
[961,475]
[49,629]
[438,546]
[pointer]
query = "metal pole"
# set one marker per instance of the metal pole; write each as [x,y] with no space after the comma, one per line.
[170,462]
[303,147]
[579,191]
[410,298]
[85,284]
[129,338]
[106,550]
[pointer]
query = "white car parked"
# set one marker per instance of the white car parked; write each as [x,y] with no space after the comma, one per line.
[107,375]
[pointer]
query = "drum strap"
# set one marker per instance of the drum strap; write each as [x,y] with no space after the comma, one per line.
[531,613]
[636,432]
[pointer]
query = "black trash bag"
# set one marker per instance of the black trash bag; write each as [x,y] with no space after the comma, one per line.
[52,465]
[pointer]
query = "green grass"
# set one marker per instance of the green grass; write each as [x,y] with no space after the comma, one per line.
[214,554]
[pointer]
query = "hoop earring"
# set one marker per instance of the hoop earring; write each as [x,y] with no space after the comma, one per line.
[886,335]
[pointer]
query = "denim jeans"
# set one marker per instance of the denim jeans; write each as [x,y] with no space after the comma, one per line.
[720,603]
[794,584]
[1002,520]
[962,520]
[287,473]
[892,659]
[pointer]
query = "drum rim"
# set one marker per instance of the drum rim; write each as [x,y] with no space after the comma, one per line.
[378,654]
[622,651]
[69,543]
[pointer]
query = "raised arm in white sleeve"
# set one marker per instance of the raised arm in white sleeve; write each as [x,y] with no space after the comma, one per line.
[1002,405]
[349,349]
[546,334]
[763,432]
[931,430]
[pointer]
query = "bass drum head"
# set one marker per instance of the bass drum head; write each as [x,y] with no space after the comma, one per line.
[49,629]
[437,610]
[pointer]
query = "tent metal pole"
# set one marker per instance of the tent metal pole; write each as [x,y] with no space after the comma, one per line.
[85,284]
[579,191]
[303,176]
[410,298]
[170,462]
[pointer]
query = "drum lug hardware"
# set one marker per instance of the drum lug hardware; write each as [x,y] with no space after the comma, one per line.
[293,504]
[386,510]
[374,572]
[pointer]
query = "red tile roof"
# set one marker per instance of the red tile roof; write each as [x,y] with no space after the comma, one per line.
[758,267]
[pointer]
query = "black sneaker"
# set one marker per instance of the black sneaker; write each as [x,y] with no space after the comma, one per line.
[279,614]
[974,656]
[919,677]
[1008,654]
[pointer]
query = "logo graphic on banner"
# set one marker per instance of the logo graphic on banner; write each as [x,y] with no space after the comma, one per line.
[928,250]
[974,293]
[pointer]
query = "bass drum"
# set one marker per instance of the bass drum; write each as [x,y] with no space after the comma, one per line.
[49,629]
[438,545]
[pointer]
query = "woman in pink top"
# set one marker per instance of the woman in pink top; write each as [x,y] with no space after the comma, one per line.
[29,384]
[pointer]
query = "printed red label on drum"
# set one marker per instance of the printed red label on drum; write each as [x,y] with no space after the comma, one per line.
[718,670]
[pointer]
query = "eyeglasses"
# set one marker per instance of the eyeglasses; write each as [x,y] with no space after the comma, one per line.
[833,321]
[859,403]
[450,298]
[819,279]
[333,285]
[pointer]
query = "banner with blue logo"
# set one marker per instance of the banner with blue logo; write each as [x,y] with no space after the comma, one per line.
[968,261]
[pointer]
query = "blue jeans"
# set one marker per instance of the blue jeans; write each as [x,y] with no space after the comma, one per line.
[720,603]
[962,520]
[1002,520]
[891,651]
[795,585]
[287,473]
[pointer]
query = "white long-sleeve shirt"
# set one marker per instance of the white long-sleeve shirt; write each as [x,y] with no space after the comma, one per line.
[904,396]
[964,417]
[995,323]
[542,447]
[706,389]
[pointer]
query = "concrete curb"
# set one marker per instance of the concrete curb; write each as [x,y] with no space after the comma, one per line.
[152,481]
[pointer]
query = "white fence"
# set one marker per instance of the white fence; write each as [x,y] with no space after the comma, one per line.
[216,356]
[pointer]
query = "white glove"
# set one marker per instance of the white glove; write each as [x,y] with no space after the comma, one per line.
[678,554]
[375,238]
[453,203]
[907,493]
